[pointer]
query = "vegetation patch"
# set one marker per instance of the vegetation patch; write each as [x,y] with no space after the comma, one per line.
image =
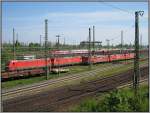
[119,100]
[21,82]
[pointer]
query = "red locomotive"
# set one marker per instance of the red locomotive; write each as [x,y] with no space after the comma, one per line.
[63,61]
[26,64]
[38,63]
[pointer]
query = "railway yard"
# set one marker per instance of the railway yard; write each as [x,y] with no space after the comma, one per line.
[63,90]
[72,78]
[69,88]
[67,77]
[71,68]
[61,97]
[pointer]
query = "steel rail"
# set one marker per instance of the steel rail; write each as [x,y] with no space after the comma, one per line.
[68,96]
[64,78]
[100,89]
[41,86]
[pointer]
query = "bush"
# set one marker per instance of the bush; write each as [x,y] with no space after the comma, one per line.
[118,101]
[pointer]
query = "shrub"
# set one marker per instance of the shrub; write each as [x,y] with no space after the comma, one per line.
[122,100]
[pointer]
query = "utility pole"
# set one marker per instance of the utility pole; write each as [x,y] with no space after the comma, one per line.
[46,55]
[93,40]
[121,41]
[14,43]
[58,54]
[136,58]
[90,48]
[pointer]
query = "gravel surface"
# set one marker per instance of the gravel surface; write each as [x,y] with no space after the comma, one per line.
[62,97]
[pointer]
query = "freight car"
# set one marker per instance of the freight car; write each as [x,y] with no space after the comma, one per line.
[107,58]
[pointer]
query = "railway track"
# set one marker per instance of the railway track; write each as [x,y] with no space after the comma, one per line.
[38,87]
[57,99]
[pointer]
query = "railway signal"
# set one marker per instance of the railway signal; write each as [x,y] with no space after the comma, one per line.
[136,59]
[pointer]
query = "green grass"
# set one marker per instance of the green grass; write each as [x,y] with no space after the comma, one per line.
[21,82]
[78,69]
[112,71]
[122,100]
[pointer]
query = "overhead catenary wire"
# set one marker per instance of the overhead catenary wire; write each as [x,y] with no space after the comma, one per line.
[115,7]
[118,36]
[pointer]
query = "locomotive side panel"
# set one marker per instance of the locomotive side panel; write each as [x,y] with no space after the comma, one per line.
[27,64]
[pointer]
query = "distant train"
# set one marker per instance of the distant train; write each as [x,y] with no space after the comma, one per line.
[14,65]
[85,52]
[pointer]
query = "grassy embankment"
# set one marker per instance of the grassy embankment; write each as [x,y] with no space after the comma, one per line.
[121,100]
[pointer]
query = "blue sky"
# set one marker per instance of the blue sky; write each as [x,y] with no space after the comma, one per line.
[72,20]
